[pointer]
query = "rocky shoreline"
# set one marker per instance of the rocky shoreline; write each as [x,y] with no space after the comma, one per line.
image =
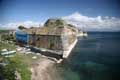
[43,69]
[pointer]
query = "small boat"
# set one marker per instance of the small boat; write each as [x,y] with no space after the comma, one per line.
[83,34]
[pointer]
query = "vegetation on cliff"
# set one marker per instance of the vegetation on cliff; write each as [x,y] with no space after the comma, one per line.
[13,64]
[8,66]
[21,27]
[54,23]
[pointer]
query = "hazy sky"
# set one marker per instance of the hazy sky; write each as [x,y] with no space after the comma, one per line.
[14,11]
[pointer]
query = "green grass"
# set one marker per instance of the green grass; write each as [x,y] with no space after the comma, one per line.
[4,31]
[21,67]
[7,46]
[19,62]
[28,58]
[23,63]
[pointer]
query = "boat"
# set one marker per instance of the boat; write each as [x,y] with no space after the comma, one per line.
[85,34]
[82,34]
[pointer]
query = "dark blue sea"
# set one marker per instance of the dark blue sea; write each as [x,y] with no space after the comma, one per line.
[96,57]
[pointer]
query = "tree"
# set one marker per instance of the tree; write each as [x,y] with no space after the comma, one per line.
[21,27]
[32,27]
[59,22]
[7,72]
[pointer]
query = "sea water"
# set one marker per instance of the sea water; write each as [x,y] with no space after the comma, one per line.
[96,57]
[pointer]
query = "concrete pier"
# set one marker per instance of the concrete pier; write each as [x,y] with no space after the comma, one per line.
[68,51]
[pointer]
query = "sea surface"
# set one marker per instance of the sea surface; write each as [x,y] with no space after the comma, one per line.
[96,57]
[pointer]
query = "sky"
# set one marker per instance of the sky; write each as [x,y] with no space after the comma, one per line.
[90,14]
